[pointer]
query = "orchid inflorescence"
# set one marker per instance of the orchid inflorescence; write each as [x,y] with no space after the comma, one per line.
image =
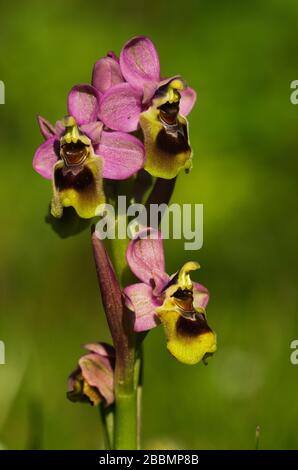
[127,123]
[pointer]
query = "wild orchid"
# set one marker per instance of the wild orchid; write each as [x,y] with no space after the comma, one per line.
[78,153]
[175,301]
[134,88]
[93,380]
[128,124]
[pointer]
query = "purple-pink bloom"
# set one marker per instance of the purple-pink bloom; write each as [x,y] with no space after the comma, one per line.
[131,84]
[106,73]
[93,380]
[123,154]
[78,153]
[134,96]
[145,257]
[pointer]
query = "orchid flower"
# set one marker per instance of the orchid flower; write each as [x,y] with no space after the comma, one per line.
[78,153]
[175,301]
[133,94]
[93,380]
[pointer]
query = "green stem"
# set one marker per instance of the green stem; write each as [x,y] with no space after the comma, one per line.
[128,403]
[107,418]
[126,400]
[126,422]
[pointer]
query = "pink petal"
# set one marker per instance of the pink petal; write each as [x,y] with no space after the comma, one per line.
[200,295]
[93,131]
[98,373]
[83,103]
[140,299]
[120,108]
[59,128]
[102,349]
[46,128]
[149,91]
[145,257]
[45,157]
[106,73]
[139,62]
[123,155]
[188,99]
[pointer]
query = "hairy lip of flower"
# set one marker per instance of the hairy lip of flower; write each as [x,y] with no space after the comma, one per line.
[74,153]
[183,300]
[168,113]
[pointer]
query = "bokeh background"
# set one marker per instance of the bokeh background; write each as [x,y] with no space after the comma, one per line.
[241,58]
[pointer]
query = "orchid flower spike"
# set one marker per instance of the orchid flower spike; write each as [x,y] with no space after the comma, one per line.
[93,380]
[77,154]
[175,301]
[134,95]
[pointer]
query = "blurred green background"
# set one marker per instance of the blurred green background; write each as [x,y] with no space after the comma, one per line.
[241,58]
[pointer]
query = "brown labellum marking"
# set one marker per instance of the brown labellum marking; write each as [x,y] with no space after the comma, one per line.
[74,154]
[82,181]
[183,299]
[169,113]
[192,328]
[173,139]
